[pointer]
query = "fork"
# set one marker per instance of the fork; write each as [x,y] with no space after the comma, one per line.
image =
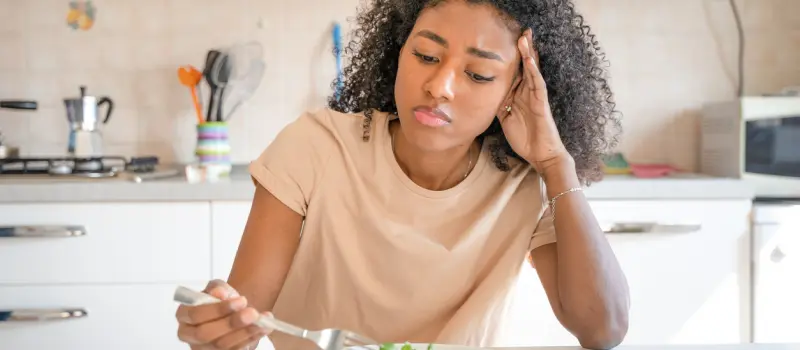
[325,339]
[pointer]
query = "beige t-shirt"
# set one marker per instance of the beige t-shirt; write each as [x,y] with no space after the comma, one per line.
[387,258]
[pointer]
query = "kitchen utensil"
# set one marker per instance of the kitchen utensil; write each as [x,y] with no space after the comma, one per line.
[208,70]
[154,175]
[190,77]
[337,49]
[326,339]
[82,113]
[19,104]
[244,89]
[246,69]
[236,66]
[241,57]
[222,72]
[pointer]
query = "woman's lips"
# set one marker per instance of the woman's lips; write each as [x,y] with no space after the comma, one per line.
[431,117]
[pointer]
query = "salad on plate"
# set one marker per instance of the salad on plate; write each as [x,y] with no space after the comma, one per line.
[405,346]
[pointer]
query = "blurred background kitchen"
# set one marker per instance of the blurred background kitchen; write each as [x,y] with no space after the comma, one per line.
[699,212]
[667,59]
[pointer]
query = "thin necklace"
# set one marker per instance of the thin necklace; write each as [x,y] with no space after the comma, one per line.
[469,164]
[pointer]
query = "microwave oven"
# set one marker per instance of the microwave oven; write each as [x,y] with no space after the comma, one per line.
[756,139]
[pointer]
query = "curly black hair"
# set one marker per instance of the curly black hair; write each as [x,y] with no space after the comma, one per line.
[571,61]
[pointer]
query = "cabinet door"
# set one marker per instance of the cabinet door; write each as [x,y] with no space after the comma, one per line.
[104,243]
[229,220]
[90,317]
[776,296]
[686,265]
[688,274]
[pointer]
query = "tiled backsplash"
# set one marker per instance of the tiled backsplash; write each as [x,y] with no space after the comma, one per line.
[667,57]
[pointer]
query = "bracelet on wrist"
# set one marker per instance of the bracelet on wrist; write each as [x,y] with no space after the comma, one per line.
[552,202]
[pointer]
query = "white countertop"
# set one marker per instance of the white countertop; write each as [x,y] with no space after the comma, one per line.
[636,347]
[239,187]
[679,347]
[642,347]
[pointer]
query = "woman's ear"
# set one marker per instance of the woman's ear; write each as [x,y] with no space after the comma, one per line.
[501,112]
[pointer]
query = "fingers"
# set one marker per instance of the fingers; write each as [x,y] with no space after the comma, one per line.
[241,338]
[250,344]
[231,302]
[195,315]
[229,328]
[533,78]
[220,289]
[228,324]
[518,103]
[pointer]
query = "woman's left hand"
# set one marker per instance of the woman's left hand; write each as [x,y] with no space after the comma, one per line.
[529,126]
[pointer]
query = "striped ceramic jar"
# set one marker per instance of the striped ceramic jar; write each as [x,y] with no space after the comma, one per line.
[213,146]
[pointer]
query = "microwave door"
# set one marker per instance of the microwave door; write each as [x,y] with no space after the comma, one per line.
[772,147]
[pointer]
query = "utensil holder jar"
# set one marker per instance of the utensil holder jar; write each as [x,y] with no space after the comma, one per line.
[213,146]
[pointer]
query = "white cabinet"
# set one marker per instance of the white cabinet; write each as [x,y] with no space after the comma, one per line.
[118,243]
[98,275]
[689,278]
[776,293]
[688,275]
[227,225]
[90,317]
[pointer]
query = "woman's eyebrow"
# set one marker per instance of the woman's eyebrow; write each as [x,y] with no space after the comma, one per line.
[472,50]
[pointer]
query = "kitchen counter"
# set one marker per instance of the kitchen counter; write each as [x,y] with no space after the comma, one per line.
[663,347]
[239,187]
[635,347]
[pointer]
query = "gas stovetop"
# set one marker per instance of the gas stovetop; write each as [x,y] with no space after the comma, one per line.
[77,166]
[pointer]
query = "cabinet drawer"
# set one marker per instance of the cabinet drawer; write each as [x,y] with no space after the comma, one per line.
[107,243]
[117,317]
[687,268]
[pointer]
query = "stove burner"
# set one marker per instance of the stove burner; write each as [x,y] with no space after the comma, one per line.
[87,167]
[60,168]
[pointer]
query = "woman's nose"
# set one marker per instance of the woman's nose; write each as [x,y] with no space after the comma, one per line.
[441,86]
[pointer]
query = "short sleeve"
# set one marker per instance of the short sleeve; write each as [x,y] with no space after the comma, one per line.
[545,232]
[291,166]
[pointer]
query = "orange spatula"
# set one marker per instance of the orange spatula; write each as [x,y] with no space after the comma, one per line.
[190,77]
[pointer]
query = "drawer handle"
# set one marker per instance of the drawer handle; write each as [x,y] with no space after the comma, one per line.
[41,231]
[651,227]
[41,315]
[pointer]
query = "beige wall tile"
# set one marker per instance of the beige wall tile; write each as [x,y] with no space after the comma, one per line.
[45,52]
[15,129]
[13,53]
[12,15]
[50,126]
[667,59]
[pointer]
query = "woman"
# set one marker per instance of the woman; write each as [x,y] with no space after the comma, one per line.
[405,211]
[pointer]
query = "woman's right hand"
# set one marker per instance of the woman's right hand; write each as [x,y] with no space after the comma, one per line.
[224,325]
